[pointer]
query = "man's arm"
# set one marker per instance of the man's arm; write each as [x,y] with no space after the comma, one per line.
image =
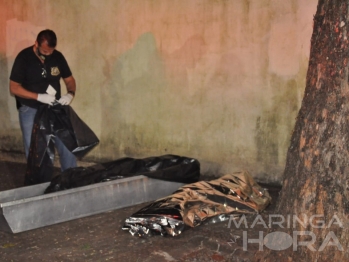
[17,90]
[71,88]
[70,85]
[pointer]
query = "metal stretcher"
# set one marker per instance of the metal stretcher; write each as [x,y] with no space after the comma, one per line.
[27,208]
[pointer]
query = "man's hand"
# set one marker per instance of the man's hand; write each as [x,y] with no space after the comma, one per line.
[46,99]
[66,99]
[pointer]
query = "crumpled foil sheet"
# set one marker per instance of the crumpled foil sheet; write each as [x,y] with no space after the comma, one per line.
[197,203]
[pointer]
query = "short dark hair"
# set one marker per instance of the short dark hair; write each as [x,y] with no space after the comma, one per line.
[49,36]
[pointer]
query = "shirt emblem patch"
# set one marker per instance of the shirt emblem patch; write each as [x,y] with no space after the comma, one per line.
[55,71]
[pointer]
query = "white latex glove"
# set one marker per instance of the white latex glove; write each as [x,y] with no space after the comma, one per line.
[46,99]
[66,99]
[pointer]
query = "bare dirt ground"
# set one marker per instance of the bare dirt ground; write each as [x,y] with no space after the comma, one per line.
[101,238]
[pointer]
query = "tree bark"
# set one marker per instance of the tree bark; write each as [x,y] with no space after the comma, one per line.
[315,182]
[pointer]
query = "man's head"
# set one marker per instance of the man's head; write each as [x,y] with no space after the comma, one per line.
[47,36]
[45,43]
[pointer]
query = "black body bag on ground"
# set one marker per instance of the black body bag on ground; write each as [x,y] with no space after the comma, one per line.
[167,167]
[55,121]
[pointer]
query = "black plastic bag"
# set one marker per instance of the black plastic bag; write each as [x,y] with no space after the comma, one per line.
[51,121]
[72,131]
[41,151]
[167,167]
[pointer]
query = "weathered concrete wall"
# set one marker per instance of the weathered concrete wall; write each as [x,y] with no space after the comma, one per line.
[220,81]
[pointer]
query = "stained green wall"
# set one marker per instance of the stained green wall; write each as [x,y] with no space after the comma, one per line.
[217,80]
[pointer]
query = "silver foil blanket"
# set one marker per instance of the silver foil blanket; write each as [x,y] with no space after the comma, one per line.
[197,203]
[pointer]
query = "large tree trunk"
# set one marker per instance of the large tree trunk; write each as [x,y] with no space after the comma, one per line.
[317,166]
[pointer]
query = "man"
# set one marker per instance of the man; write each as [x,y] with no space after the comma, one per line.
[35,69]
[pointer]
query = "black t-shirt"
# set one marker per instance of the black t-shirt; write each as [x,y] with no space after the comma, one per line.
[29,71]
